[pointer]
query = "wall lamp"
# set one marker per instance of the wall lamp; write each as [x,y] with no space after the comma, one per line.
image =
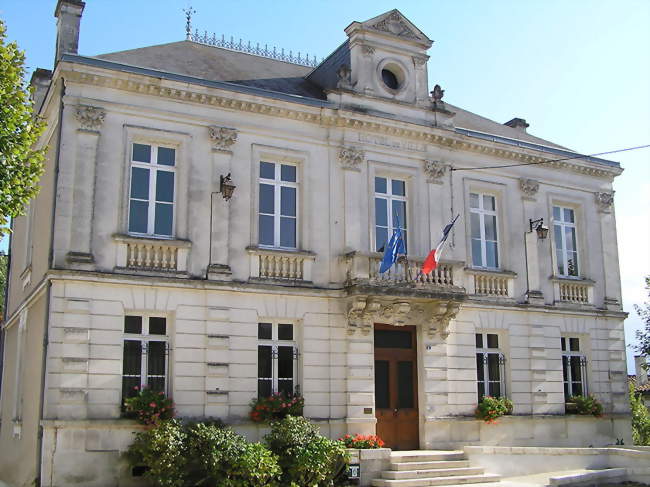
[226,188]
[539,227]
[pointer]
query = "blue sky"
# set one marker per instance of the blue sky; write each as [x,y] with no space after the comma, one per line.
[578,71]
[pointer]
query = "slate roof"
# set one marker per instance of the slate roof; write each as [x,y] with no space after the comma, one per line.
[218,64]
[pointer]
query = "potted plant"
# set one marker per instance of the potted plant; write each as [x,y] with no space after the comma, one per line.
[276,406]
[490,408]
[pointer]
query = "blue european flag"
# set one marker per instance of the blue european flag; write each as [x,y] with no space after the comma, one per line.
[393,249]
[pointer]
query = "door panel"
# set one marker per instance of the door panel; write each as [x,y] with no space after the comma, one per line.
[396,401]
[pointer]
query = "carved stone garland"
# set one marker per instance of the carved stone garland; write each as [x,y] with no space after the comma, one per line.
[89,117]
[435,170]
[365,311]
[604,201]
[529,187]
[351,158]
[222,138]
[396,26]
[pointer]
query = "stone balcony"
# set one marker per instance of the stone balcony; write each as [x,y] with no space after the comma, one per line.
[283,266]
[573,291]
[363,269]
[149,256]
[484,283]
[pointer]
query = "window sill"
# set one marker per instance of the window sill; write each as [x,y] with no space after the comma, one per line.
[254,249]
[490,272]
[584,280]
[152,239]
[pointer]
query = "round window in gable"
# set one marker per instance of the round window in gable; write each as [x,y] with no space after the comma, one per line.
[389,79]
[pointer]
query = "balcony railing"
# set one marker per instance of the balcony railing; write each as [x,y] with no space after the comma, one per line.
[573,291]
[405,272]
[145,254]
[495,284]
[280,264]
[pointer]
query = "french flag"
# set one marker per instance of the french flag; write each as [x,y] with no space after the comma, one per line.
[431,262]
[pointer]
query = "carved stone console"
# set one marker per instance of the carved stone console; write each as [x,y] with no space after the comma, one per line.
[434,315]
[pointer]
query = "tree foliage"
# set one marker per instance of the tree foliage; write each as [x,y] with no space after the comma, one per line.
[643,347]
[20,165]
[640,418]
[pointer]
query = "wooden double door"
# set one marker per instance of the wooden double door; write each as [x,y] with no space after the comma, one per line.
[396,394]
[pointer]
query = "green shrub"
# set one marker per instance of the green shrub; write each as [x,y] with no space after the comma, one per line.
[204,454]
[306,458]
[148,406]
[220,457]
[587,405]
[640,419]
[490,408]
[163,450]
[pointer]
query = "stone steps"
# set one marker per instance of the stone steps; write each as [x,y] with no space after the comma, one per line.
[431,468]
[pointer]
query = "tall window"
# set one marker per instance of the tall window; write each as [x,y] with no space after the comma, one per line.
[277,358]
[574,368]
[151,196]
[145,354]
[483,222]
[490,366]
[566,249]
[278,199]
[390,210]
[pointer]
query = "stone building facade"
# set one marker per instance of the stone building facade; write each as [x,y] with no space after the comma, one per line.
[131,268]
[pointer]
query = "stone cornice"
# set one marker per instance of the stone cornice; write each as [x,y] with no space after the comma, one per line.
[333,117]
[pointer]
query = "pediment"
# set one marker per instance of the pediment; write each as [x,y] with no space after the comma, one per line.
[394,23]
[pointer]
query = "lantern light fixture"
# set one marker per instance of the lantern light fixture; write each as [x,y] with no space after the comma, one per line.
[226,188]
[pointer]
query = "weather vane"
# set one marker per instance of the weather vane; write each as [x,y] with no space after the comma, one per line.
[188,24]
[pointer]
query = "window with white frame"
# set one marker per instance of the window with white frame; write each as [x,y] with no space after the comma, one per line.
[490,366]
[566,248]
[574,368]
[145,354]
[277,359]
[483,227]
[278,205]
[152,191]
[390,210]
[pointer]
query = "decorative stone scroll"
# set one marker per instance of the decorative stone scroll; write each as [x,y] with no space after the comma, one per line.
[604,201]
[351,158]
[435,170]
[344,77]
[89,117]
[223,138]
[529,187]
[435,316]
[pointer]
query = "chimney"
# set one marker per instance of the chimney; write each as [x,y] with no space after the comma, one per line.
[640,361]
[68,15]
[40,82]
[517,124]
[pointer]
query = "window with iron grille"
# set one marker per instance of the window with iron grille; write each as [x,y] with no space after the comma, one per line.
[277,359]
[390,210]
[145,354]
[490,366]
[574,368]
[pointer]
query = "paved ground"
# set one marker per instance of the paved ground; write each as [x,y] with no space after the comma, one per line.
[541,480]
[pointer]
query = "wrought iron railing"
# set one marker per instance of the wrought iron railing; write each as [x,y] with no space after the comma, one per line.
[247,47]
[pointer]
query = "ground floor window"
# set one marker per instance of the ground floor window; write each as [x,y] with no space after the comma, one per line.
[277,359]
[490,366]
[574,368]
[145,354]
